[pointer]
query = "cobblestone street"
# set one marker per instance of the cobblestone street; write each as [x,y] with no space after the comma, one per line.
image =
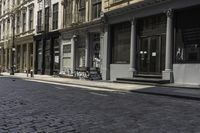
[32,107]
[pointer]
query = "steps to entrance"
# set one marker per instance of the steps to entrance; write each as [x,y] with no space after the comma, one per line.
[140,78]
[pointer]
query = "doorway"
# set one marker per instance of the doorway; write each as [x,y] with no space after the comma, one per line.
[151,55]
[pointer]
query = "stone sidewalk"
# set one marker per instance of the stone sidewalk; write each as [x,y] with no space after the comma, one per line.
[80,82]
[172,90]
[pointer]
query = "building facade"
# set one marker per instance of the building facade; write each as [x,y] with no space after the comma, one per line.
[47,38]
[81,35]
[16,33]
[152,38]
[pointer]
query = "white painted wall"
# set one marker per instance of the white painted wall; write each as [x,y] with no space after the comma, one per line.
[119,71]
[187,73]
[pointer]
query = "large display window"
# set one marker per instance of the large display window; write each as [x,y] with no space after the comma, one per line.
[187,48]
[120,43]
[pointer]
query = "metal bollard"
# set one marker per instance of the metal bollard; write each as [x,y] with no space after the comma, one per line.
[31,73]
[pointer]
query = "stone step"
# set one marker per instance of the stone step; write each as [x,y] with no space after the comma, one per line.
[143,80]
[148,76]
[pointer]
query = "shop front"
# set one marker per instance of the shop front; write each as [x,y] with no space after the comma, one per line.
[151,45]
[47,54]
[80,49]
[187,46]
[160,40]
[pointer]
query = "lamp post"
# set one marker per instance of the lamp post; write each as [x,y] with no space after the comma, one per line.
[12,72]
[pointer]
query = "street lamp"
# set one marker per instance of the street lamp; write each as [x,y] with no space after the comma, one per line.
[12,72]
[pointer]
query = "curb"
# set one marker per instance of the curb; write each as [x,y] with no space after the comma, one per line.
[168,95]
[133,91]
[102,87]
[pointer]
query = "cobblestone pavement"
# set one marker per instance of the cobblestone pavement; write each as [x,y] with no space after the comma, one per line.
[32,107]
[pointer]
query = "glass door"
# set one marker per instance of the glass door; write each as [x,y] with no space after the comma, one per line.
[149,55]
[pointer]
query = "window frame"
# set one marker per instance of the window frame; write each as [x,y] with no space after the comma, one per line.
[55,16]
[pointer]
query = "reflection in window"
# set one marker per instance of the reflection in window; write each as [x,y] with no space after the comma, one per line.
[187,37]
[121,43]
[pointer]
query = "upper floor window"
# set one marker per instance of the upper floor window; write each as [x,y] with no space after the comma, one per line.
[24,22]
[0,31]
[81,10]
[30,19]
[55,16]
[39,21]
[96,8]
[68,7]
[115,1]
[18,2]
[8,25]
[47,19]
[0,9]
[18,24]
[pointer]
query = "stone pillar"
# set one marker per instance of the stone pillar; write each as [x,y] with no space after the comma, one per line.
[1,57]
[133,47]
[73,54]
[10,57]
[34,55]
[105,53]
[87,51]
[27,56]
[74,11]
[6,59]
[87,11]
[167,73]
[21,58]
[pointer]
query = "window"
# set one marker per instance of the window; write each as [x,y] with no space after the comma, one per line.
[81,10]
[39,21]
[3,27]
[0,31]
[115,1]
[18,24]
[24,22]
[55,16]
[0,9]
[47,19]
[187,48]
[56,54]
[68,13]
[96,8]
[8,25]
[30,19]
[121,43]
[18,2]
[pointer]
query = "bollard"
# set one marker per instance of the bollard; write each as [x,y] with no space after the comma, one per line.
[27,72]
[31,73]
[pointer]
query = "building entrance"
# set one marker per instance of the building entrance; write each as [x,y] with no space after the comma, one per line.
[151,52]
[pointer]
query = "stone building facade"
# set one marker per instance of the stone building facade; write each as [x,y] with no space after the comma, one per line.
[152,38]
[47,38]
[81,35]
[16,34]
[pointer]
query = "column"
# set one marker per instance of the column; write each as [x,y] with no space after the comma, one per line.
[133,47]
[73,54]
[105,53]
[27,56]
[167,74]
[6,59]
[34,56]
[10,57]
[21,58]
[74,11]
[87,50]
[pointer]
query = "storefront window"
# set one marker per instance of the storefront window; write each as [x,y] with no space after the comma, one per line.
[187,36]
[56,54]
[121,43]
[67,57]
